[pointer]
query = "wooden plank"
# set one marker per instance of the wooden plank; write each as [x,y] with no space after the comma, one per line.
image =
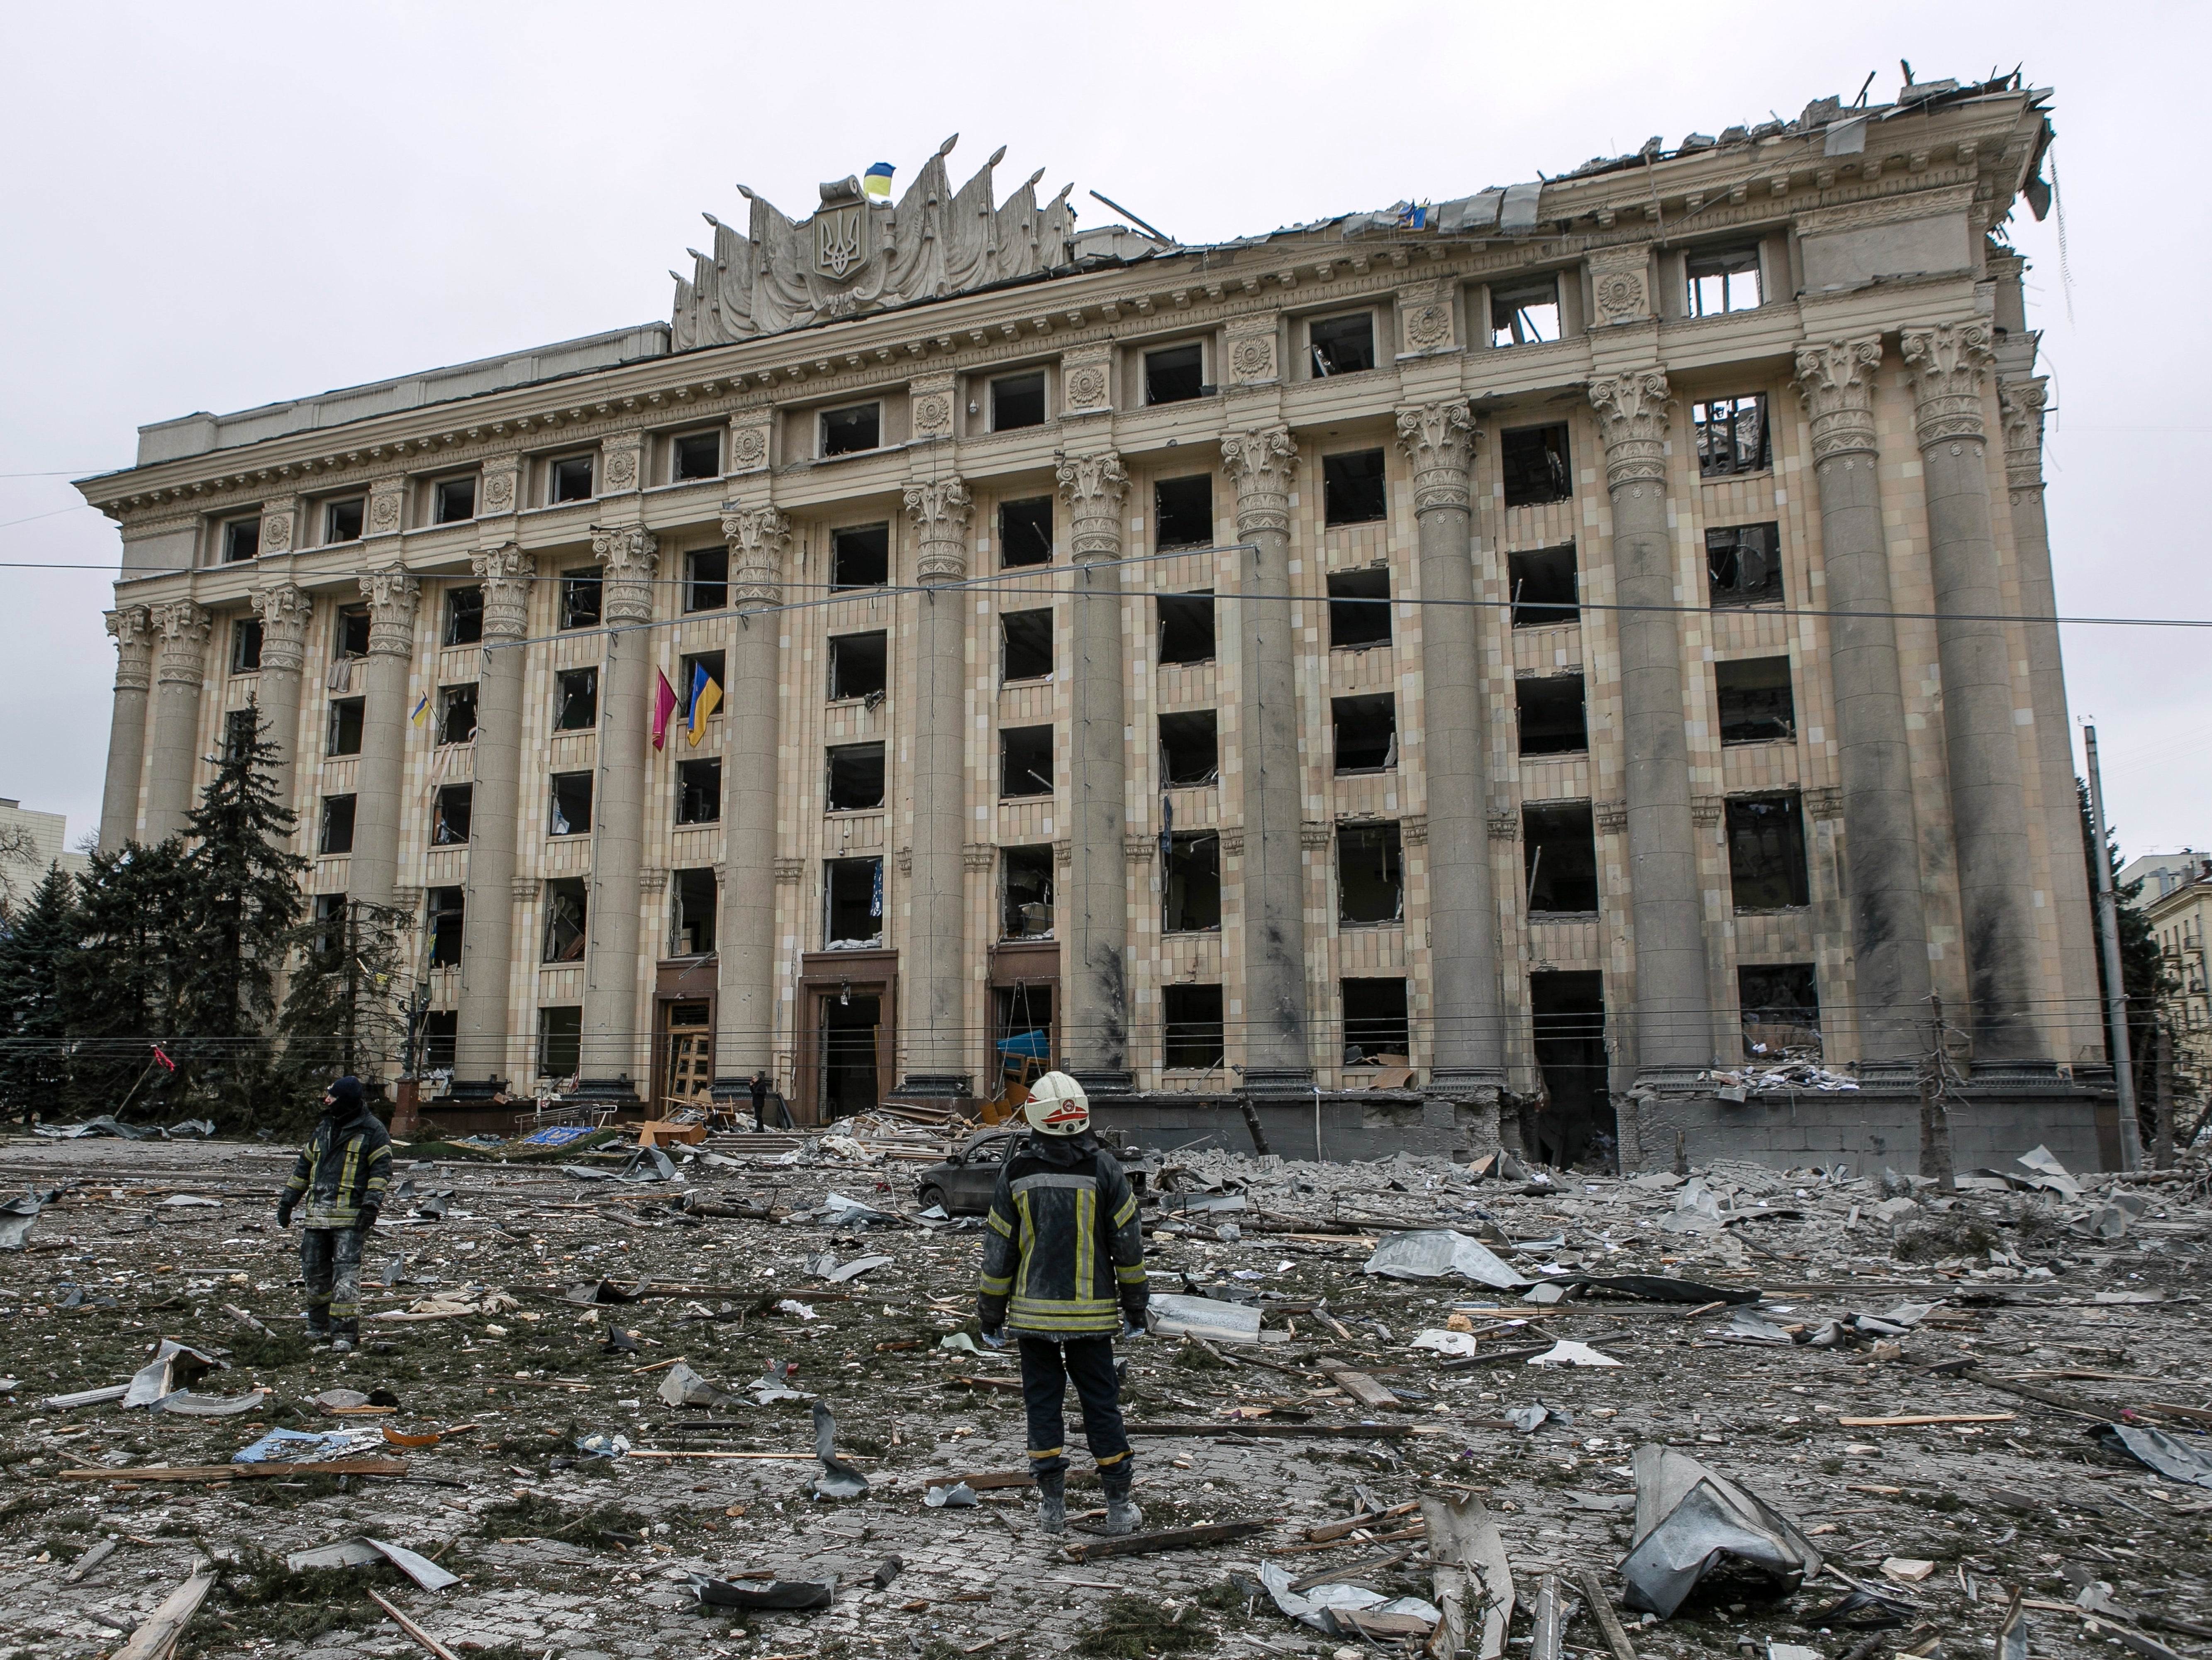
[239,1472]
[1361,1387]
[1143,1544]
[1600,1605]
[1912,1419]
[157,1639]
[430,1643]
[1338,1529]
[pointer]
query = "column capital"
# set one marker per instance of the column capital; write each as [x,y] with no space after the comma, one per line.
[1633,413]
[1261,461]
[285,611]
[1835,382]
[131,628]
[183,629]
[940,509]
[507,573]
[630,554]
[1947,364]
[1096,487]
[1439,440]
[758,539]
[392,597]
[2020,403]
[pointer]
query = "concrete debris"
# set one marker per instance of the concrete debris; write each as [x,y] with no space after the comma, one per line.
[1690,1520]
[361,1552]
[1776,1078]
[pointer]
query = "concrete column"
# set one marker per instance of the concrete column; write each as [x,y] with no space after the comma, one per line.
[392,597]
[285,612]
[1673,1007]
[611,1055]
[1090,913]
[131,627]
[183,628]
[1881,838]
[1949,365]
[485,1025]
[744,941]
[1439,440]
[940,1055]
[1278,1055]
[2019,404]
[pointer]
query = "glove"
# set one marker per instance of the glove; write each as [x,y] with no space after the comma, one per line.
[283,1212]
[1132,1319]
[994,1337]
[369,1215]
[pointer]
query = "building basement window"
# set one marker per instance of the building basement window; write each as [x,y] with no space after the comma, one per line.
[337,832]
[1524,313]
[1371,875]
[1743,565]
[1025,761]
[1359,609]
[1723,280]
[698,792]
[560,1042]
[1559,859]
[463,617]
[571,804]
[449,815]
[691,912]
[246,646]
[1025,532]
[564,920]
[1191,892]
[453,501]
[345,725]
[1551,715]
[1781,1003]
[706,579]
[1183,512]
[342,521]
[1353,490]
[853,902]
[1536,465]
[860,556]
[1366,729]
[1731,434]
[1376,1027]
[1342,346]
[1190,748]
[569,479]
[860,665]
[1755,704]
[1025,645]
[1186,628]
[1191,1031]
[695,455]
[580,591]
[1766,853]
[457,714]
[444,909]
[349,634]
[1018,401]
[846,432]
[1174,375]
[1544,594]
[855,778]
[575,700]
[1025,885]
[242,539]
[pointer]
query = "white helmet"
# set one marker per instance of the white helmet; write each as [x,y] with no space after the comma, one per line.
[1057,1106]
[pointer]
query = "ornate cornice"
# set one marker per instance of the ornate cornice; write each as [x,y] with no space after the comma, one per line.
[1094,487]
[131,628]
[629,555]
[1947,365]
[1835,381]
[1439,440]
[940,509]
[1633,413]
[507,573]
[2020,404]
[183,628]
[393,597]
[285,611]
[1262,462]
[758,539]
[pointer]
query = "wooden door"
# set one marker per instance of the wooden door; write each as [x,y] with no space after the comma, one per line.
[687,1069]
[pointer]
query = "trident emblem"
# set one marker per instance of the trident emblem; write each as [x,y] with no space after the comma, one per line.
[837,236]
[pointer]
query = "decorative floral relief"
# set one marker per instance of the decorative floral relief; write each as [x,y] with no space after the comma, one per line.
[1429,326]
[499,490]
[1087,386]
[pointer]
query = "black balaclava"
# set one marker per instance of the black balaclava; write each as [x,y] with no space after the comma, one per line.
[345,1099]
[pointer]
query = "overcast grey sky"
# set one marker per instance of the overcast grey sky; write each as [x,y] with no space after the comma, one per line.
[209,207]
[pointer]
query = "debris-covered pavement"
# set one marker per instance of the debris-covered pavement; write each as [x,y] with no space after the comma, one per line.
[729,1400]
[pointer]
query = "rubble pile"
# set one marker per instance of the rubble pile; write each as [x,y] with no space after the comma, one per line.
[729,1398]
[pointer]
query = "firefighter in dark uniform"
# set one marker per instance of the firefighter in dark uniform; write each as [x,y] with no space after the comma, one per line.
[341,1176]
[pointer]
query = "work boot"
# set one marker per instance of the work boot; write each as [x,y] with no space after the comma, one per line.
[341,1344]
[1052,1495]
[1123,1515]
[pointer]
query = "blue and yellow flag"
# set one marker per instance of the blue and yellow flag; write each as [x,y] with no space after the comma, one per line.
[421,709]
[706,695]
[876,183]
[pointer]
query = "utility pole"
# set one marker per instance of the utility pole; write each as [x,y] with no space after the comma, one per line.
[2115,1001]
[1935,1108]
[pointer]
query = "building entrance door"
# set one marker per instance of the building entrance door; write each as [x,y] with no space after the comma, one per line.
[849,1025]
[687,1056]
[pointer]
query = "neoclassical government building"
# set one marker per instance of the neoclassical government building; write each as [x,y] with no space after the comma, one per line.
[1556,640]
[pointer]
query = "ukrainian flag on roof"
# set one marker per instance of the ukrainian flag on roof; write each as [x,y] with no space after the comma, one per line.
[876,182]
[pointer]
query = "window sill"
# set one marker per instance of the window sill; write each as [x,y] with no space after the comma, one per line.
[1582,754]
[1353,523]
[851,813]
[1190,663]
[1362,772]
[1039,795]
[1026,680]
[1541,501]
[1705,478]
[325,857]
[1775,603]
[1213,933]
[1774,911]
[696,823]
[1786,741]
[1344,923]
[1535,916]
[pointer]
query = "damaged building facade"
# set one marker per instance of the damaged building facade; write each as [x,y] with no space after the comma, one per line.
[1543,644]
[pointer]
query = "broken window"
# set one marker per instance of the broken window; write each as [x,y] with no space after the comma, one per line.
[569,479]
[1371,875]
[1192,891]
[345,727]
[1366,729]
[560,1042]
[453,501]
[564,919]
[1731,434]
[1190,748]
[1567,1015]
[1781,1003]
[1766,851]
[246,646]
[329,922]
[441,1030]
[342,521]
[844,432]
[1535,463]
[1025,646]
[695,455]
[1558,859]
[853,901]
[1724,280]
[698,792]
[860,665]
[1025,761]
[1025,876]
[349,634]
[1544,587]
[860,556]
[457,714]
[698,677]
[1755,704]
[240,728]
[575,700]
[1550,712]
[1359,609]
[1018,401]
[707,579]
[444,908]
[1376,1027]
[580,597]
[691,912]
[1186,627]
[1524,313]
[572,804]
[449,815]
[1743,565]
[1174,375]
[463,617]
[1342,346]
[856,778]
[1191,1031]
[242,539]
[1183,508]
[1353,491]
[1026,531]
[337,832]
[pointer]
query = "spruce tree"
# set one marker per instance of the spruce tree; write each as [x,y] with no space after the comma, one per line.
[35,941]
[343,1009]
[123,976]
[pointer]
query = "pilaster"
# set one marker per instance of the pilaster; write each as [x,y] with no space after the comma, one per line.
[180,669]
[285,611]
[484,1044]
[131,628]
[759,540]
[393,597]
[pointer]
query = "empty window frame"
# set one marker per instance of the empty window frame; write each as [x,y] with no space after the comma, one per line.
[1176,374]
[330,918]
[860,556]
[1524,313]
[1371,875]
[453,501]
[344,735]
[1185,627]
[1017,400]
[246,646]
[699,684]
[463,617]
[565,909]
[691,912]
[854,780]
[342,521]
[571,804]
[443,913]
[1730,433]
[1191,893]
[1190,748]
[860,665]
[699,791]
[694,455]
[1550,713]
[1366,733]
[1192,1036]
[569,479]
[581,592]
[707,579]
[1755,699]
[853,901]
[1743,565]
[1024,761]
[442,1032]
[1544,589]
[575,700]
[1025,645]
[1358,609]
[1342,345]
[1026,893]
[242,539]
[1723,280]
[1182,512]
[1558,859]
[1026,531]
[1781,1005]
[1536,465]
[335,832]
[1376,1025]
[560,1042]
[350,633]
[240,728]
[848,431]
[450,813]
[1353,489]
[457,714]
[1766,851]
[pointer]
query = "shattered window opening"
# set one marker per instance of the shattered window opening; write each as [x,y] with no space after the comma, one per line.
[345,725]
[240,728]
[691,912]
[1190,748]
[441,1031]
[1174,375]
[463,617]
[560,1042]
[1024,762]
[706,579]
[342,521]
[576,700]
[1723,281]
[688,688]
[1754,698]
[337,832]
[1731,434]
[580,597]
[1182,510]
[860,665]
[848,431]
[1377,1024]
[860,556]
[329,922]
[246,646]
[699,791]
[1025,532]
[853,902]
[569,479]
[856,778]
[457,714]
[1766,853]
[1544,587]
[450,813]
[1366,730]
[1743,565]
[1192,1036]
[1559,859]
[1567,1021]
[695,455]
[1359,609]
[1371,875]
[1342,346]
[453,501]
[443,909]
[350,634]
[1185,627]
[1024,646]
[1525,313]
[1354,491]
[1026,893]
[571,805]
[241,540]
[1781,1005]
[565,913]
[1551,715]
[1536,465]
[1191,892]
[1018,401]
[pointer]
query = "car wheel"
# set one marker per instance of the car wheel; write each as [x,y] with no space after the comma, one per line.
[934,1196]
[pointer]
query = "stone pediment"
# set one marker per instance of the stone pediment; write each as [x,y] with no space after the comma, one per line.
[854,256]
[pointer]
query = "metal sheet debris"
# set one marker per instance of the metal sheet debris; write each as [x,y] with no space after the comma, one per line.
[1690,1519]
[1432,1255]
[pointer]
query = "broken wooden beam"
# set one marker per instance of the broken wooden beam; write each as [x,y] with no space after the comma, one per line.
[1141,1544]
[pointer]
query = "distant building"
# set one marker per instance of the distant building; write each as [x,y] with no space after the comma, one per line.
[2160,873]
[31,843]
[2177,898]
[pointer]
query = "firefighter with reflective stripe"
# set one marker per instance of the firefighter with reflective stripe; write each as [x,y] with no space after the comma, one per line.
[341,1176]
[1063,1268]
